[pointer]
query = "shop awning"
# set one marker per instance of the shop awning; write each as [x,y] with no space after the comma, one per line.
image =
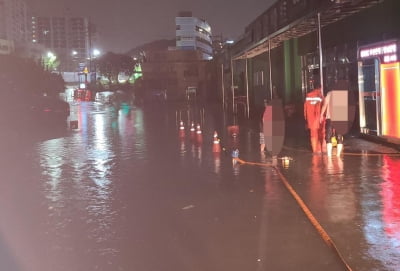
[307,24]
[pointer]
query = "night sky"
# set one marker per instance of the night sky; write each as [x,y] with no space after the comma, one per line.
[126,24]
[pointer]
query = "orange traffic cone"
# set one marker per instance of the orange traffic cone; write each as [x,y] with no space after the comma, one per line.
[199,135]
[192,129]
[181,129]
[216,145]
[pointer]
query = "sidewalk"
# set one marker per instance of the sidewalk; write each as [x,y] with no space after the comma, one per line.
[297,137]
[359,144]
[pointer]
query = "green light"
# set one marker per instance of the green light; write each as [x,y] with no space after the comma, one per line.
[137,73]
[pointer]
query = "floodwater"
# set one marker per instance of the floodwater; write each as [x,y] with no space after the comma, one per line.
[127,191]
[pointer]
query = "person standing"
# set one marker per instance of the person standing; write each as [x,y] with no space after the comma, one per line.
[326,114]
[262,138]
[312,113]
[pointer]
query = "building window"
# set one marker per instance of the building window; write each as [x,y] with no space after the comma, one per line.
[258,78]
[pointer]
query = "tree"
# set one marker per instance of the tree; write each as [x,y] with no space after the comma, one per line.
[111,65]
[22,76]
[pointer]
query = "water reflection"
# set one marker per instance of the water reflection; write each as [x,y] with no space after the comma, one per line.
[380,210]
[236,169]
[334,166]
[391,199]
[341,200]
[52,167]
[182,148]
[78,172]
[217,162]
[318,189]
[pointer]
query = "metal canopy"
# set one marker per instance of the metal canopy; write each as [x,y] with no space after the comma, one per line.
[306,25]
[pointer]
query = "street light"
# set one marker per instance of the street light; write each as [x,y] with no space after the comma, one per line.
[96,52]
[51,56]
[93,55]
[50,61]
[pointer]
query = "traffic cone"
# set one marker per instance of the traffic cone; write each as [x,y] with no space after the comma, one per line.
[181,130]
[192,131]
[199,134]
[216,145]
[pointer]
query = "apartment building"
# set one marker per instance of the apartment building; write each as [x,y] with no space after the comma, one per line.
[193,34]
[69,38]
[13,24]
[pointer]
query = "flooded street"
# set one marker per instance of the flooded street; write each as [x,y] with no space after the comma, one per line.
[126,191]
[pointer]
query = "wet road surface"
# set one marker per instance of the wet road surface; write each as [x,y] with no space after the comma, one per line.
[125,192]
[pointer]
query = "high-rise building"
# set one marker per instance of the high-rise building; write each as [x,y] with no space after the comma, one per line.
[13,22]
[69,38]
[193,34]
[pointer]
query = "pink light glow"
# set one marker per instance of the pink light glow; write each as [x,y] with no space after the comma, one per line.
[390,86]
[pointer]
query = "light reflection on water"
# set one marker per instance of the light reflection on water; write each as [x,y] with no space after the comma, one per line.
[391,198]
[356,199]
[380,202]
[79,172]
[341,202]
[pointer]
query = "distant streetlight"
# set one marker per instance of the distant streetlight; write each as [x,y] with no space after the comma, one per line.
[51,56]
[49,61]
[96,52]
[74,53]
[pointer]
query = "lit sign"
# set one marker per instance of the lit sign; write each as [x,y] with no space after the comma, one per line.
[390,58]
[387,52]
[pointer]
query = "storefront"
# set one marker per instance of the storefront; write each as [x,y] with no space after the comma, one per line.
[379,90]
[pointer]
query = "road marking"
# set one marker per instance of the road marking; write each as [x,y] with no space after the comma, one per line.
[324,235]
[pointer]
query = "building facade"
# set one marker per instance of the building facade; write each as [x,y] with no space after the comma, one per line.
[348,44]
[176,73]
[193,34]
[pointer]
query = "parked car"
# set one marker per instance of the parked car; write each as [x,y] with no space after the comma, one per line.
[47,109]
[18,111]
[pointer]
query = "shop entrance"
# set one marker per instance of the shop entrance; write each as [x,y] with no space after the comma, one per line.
[379,86]
[369,88]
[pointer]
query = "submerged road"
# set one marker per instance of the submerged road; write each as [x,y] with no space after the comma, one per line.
[125,191]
